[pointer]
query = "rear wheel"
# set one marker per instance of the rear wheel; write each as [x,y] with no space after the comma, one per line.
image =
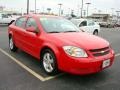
[49,62]
[95,32]
[109,26]
[12,45]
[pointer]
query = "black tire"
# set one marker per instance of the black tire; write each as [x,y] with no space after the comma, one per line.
[12,45]
[109,26]
[54,64]
[95,32]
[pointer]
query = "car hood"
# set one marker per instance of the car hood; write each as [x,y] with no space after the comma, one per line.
[82,40]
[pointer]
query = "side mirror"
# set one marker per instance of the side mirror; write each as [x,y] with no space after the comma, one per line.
[32,29]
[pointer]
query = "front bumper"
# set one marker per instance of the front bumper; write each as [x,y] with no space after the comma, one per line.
[83,66]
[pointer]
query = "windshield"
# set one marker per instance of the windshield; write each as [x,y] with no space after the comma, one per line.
[56,25]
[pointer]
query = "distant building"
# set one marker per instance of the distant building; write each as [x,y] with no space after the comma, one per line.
[1,8]
[100,17]
[10,12]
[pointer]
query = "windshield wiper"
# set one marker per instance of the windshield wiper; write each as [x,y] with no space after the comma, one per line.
[54,32]
[63,31]
[70,31]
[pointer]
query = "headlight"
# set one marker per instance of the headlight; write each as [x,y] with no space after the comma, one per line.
[75,51]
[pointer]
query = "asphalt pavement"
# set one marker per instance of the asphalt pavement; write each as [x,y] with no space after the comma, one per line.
[20,71]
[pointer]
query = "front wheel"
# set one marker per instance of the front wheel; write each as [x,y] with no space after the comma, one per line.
[12,45]
[49,62]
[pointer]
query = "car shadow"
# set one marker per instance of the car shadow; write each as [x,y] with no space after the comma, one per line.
[92,80]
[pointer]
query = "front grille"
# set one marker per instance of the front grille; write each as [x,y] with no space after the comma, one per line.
[100,52]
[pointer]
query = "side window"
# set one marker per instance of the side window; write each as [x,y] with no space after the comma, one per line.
[84,23]
[31,23]
[4,16]
[21,22]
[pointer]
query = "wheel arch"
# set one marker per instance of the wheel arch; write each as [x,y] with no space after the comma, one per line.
[43,48]
[56,67]
[52,48]
[96,30]
[10,35]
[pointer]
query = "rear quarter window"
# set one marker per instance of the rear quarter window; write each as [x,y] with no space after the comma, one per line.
[91,23]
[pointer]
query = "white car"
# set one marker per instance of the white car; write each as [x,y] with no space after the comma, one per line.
[88,26]
[5,19]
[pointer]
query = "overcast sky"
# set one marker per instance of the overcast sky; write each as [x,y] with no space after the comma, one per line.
[103,5]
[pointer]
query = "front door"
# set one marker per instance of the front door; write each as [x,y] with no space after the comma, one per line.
[32,41]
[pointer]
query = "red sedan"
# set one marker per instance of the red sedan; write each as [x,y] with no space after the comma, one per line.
[60,45]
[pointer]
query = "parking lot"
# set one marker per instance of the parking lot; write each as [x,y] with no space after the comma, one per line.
[20,71]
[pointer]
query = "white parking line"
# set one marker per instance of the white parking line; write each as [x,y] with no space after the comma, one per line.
[118,54]
[41,78]
[52,77]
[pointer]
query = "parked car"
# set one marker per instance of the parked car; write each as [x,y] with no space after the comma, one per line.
[102,24]
[59,45]
[118,24]
[6,19]
[86,25]
[108,24]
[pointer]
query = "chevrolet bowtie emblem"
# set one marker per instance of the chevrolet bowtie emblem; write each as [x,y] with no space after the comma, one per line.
[102,51]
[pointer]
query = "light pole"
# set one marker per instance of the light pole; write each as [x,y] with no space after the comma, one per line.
[37,10]
[60,5]
[118,12]
[95,10]
[112,11]
[21,11]
[35,6]
[81,9]
[27,6]
[48,9]
[84,13]
[69,11]
[88,8]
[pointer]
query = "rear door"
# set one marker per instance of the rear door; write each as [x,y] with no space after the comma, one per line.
[19,32]
[91,25]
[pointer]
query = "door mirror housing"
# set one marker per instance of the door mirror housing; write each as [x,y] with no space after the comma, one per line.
[32,29]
